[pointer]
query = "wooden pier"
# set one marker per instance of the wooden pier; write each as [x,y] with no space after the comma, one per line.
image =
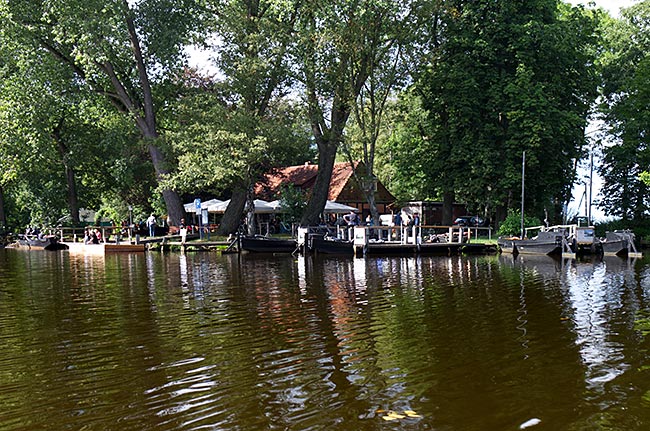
[404,240]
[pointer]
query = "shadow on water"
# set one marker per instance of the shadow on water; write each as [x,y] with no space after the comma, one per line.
[202,341]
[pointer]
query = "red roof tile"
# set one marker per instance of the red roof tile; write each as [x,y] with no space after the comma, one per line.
[304,176]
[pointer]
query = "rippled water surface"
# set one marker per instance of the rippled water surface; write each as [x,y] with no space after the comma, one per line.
[208,342]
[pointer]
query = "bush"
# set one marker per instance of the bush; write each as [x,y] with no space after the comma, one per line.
[512,224]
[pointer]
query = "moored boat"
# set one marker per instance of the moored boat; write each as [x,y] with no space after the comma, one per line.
[30,242]
[263,244]
[619,243]
[545,243]
[328,245]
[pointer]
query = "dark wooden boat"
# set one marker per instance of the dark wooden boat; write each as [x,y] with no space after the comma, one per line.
[328,245]
[263,244]
[49,242]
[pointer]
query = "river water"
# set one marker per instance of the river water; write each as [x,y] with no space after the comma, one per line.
[208,342]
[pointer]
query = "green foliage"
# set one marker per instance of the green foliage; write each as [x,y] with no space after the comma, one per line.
[626,91]
[51,126]
[406,164]
[645,177]
[490,80]
[507,77]
[123,51]
[293,201]
[512,223]
[216,149]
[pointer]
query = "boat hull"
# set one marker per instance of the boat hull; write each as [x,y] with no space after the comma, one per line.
[546,243]
[538,247]
[49,243]
[319,244]
[267,245]
[617,243]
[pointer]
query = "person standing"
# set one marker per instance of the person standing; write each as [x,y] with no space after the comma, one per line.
[151,224]
[397,224]
[183,231]
[352,219]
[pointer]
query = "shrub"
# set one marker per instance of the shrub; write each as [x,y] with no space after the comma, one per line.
[512,224]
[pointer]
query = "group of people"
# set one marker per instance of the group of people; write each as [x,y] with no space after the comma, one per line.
[33,232]
[353,219]
[92,236]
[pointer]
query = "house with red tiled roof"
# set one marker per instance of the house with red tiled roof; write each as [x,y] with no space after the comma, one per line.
[344,188]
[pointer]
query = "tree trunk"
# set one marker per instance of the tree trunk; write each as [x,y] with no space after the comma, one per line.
[232,217]
[73,198]
[448,199]
[374,213]
[173,203]
[320,191]
[3,214]
[500,215]
[147,122]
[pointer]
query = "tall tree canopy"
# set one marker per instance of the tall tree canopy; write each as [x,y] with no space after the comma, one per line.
[395,57]
[124,50]
[626,97]
[62,144]
[508,76]
[492,79]
[339,45]
[238,125]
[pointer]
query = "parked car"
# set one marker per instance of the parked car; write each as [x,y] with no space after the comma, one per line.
[474,221]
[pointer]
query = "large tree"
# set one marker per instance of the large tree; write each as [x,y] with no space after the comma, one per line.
[396,54]
[626,91]
[254,36]
[237,125]
[508,77]
[217,152]
[120,49]
[71,144]
[339,45]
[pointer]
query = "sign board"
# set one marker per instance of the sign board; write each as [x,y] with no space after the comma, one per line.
[204,217]
[302,236]
[197,203]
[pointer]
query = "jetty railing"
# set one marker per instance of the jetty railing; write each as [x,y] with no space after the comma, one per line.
[108,234]
[414,234]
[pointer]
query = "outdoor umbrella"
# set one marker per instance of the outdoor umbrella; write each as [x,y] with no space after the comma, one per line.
[337,208]
[261,207]
[191,207]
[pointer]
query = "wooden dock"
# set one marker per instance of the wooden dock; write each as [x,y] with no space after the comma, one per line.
[104,248]
[411,241]
[389,240]
[439,248]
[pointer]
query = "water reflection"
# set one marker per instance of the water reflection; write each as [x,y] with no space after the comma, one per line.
[199,341]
